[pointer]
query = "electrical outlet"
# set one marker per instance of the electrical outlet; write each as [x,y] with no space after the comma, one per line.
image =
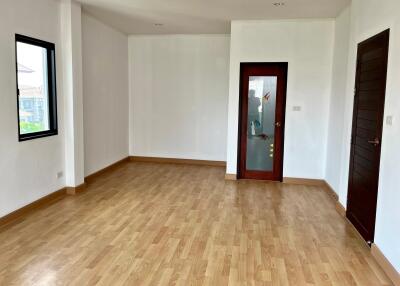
[389,120]
[59,175]
[296,108]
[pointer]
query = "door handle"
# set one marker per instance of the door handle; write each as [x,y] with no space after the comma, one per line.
[278,124]
[374,142]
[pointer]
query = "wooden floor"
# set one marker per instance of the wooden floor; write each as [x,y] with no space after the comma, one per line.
[160,224]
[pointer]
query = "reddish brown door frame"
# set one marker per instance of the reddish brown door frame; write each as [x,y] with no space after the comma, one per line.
[369,103]
[262,69]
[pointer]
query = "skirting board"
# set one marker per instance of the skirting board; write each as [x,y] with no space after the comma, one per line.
[88,179]
[76,190]
[301,181]
[178,161]
[384,263]
[330,191]
[322,183]
[375,251]
[231,177]
[342,210]
[18,215]
[339,208]
[109,168]
[40,203]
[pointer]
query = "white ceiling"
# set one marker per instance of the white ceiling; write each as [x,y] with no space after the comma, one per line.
[202,16]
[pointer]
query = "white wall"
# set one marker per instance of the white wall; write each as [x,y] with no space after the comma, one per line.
[105,94]
[71,42]
[307,45]
[179,96]
[27,169]
[369,17]
[337,100]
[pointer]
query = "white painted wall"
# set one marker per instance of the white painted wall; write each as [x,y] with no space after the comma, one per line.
[71,41]
[27,169]
[369,17]
[337,101]
[105,94]
[179,96]
[307,45]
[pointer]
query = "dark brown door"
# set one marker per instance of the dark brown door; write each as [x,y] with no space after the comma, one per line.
[369,101]
[262,120]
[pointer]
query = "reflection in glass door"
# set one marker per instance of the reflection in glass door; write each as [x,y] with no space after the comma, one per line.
[261,123]
[263,93]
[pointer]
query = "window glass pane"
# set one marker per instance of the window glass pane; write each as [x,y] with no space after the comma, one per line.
[33,88]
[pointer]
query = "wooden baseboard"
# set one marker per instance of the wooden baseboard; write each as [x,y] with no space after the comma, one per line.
[92,177]
[301,181]
[19,214]
[385,264]
[178,161]
[356,232]
[331,192]
[322,183]
[231,177]
[340,209]
[76,190]
[380,258]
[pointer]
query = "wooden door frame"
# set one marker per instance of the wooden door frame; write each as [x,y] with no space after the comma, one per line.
[282,113]
[360,48]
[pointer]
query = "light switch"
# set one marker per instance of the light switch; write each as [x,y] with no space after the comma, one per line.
[389,120]
[296,108]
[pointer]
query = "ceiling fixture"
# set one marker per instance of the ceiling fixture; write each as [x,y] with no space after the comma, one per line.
[158,24]
[278,4]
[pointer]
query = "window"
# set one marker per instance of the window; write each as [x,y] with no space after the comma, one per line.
[36,88]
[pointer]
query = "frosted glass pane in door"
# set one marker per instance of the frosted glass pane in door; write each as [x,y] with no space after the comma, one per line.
[261,123]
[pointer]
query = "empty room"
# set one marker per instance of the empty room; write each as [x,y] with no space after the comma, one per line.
[190,142]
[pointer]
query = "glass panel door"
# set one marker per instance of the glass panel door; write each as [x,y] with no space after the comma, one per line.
[261,123]
[262,120]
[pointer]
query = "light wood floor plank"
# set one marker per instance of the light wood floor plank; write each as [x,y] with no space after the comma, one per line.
[166,224]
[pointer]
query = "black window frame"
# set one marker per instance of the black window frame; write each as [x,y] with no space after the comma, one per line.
[52,87]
